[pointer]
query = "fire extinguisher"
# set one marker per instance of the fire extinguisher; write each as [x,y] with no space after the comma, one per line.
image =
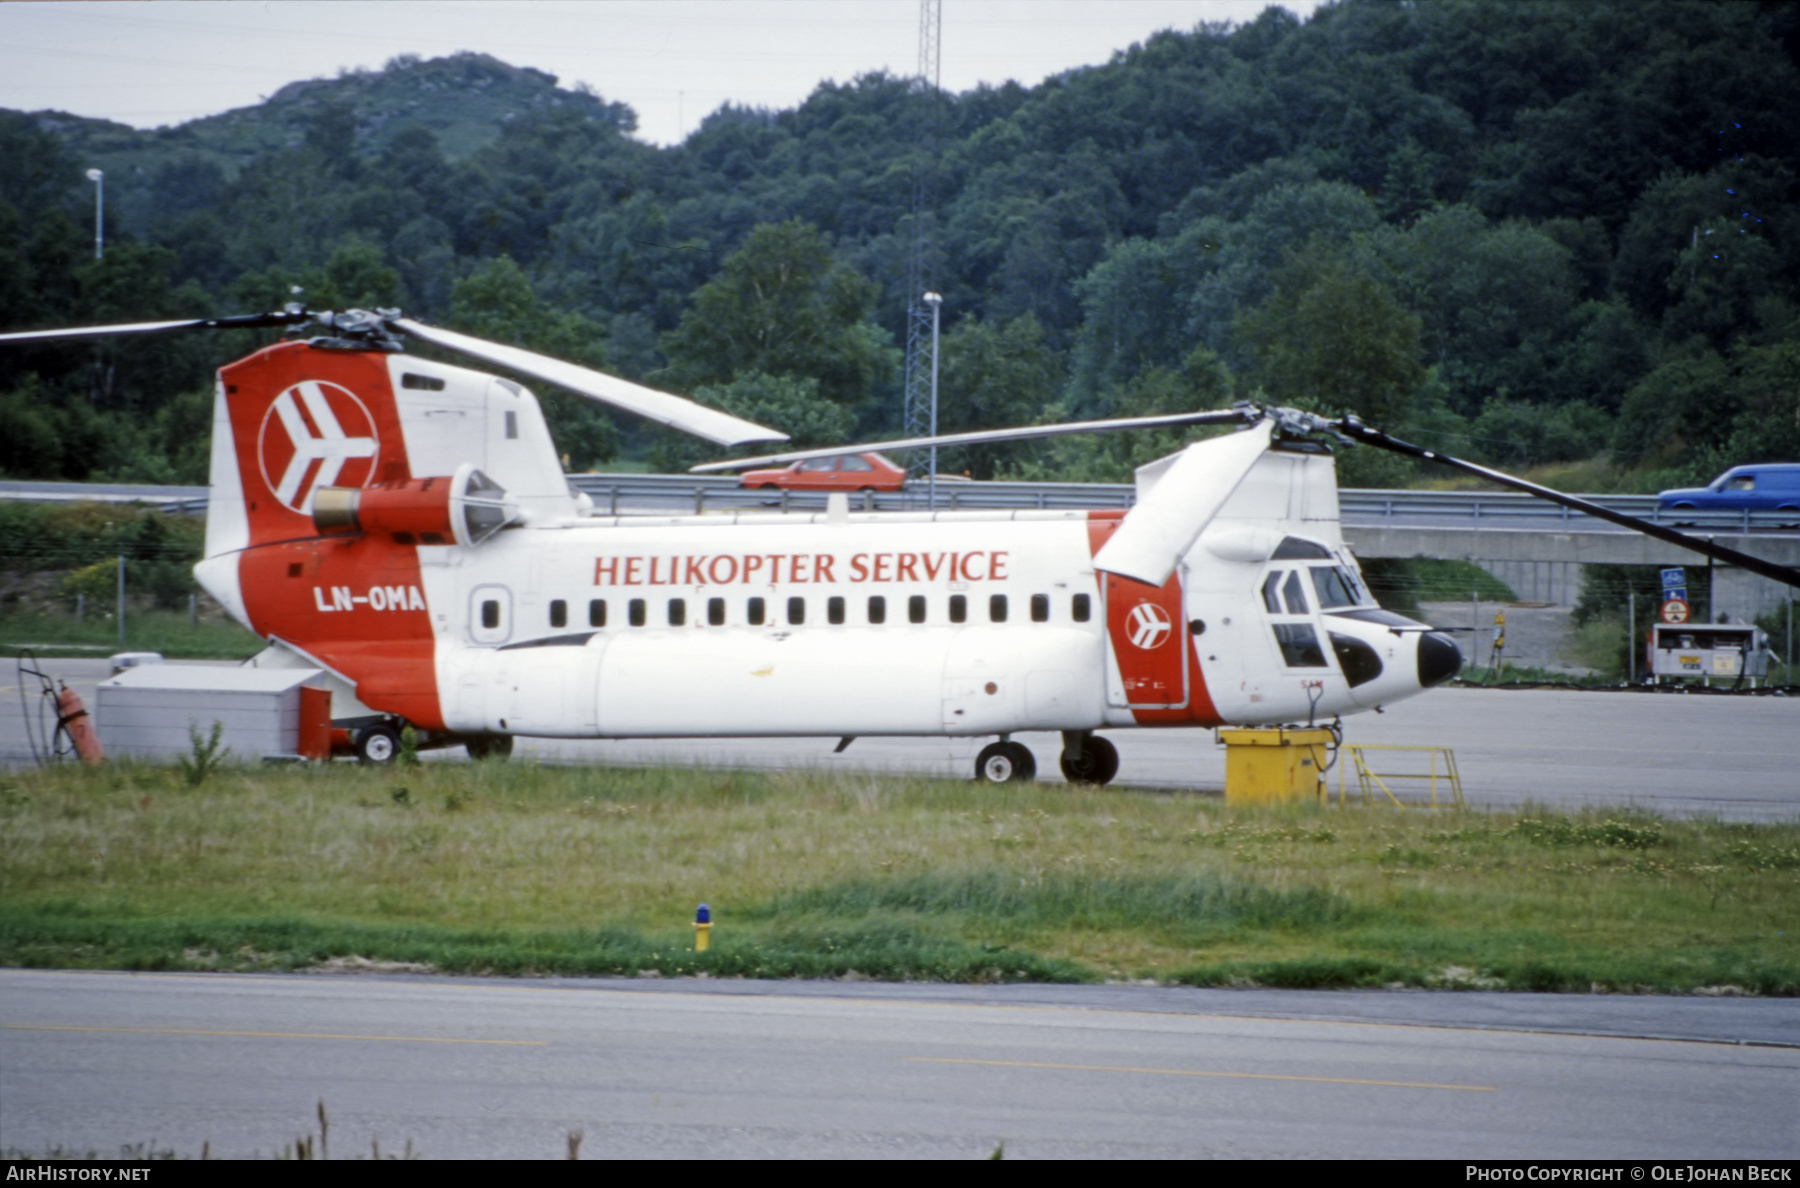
[73,720]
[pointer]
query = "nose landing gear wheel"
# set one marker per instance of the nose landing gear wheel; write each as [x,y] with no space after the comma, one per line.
[1097,764]
[1004,763]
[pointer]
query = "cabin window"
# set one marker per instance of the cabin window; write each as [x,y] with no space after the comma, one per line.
[559,613]
[1081,607]
[796,611]
[877,609]
[1040,608]
[677,612]
[421,383]
[834,610]
[915,608]
[431,538]
[596,612]
[512,425]
[635,612]
[754,613]
[405,538]
[959,608]
[715,612]
[997,608]
[1299,645]
[490,614]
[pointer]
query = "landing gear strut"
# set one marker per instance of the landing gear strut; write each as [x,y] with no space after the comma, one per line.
[1088,758]
[1004,762]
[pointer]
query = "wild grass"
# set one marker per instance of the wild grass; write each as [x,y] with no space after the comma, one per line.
[510,868]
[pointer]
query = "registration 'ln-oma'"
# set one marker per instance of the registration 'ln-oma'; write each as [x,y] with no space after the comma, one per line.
[405,525]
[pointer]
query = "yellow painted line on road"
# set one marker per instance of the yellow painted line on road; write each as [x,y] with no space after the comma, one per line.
[1195,1072]
[386,1039]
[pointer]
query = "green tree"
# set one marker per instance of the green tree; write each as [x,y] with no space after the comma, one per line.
[781,305]
[497,302]
[993,377]
[1200,382]
[791,404]
[1332,338]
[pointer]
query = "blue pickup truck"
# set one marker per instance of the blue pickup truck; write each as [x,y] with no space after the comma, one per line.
[1769,485]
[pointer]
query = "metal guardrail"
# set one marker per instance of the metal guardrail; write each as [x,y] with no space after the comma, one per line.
[614,494]
[1413,506]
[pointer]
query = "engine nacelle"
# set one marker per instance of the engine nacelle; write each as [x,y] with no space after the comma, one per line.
[465,508]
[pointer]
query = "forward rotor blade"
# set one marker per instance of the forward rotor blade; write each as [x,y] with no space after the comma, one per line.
[1187,494]
[246,321]
[677,412]
[1357,431]
[1231,416]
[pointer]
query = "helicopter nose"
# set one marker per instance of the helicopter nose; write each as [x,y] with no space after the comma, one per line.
[1439,659]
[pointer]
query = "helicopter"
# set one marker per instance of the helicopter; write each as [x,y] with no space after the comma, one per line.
[405,526]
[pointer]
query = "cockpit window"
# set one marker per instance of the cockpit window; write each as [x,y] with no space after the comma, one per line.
[1335,587]
[1272,593]
[1295,590]
[1299,645]
[1292,548]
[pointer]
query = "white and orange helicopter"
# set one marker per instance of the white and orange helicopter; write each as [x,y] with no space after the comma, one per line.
[406,526]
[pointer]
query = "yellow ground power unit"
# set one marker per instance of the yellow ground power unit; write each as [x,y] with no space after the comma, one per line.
[1275,764]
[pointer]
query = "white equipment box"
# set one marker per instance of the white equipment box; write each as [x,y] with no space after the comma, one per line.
[1709,651]
[148,712]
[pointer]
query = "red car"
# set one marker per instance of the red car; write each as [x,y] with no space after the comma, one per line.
[846,472]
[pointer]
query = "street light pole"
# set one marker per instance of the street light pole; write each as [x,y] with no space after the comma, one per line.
[935,302]
[99,180]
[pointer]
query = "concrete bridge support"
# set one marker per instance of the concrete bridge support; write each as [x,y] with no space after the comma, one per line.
[1530,560]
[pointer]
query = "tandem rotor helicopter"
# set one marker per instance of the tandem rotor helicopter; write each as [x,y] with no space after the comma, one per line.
[406,526]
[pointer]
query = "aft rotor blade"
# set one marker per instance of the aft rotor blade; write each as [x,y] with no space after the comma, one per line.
[664,408]
[1228,416]
[1357,431]
[246,321]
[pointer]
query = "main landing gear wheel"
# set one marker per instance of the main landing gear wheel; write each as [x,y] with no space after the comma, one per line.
[488,746]
[1097,764]
[1004,763]
[377,744]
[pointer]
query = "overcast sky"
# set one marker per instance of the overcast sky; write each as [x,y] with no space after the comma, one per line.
[154,62]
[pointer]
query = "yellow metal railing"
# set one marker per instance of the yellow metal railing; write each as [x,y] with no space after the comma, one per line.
[1442,785]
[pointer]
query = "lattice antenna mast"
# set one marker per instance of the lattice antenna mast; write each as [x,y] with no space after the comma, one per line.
[917,415]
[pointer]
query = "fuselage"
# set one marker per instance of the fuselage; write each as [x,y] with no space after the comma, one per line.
[562,623]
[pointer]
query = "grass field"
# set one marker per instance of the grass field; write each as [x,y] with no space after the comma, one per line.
[168,632]
[510,868]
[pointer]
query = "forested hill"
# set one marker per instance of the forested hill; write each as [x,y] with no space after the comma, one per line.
[1526,231]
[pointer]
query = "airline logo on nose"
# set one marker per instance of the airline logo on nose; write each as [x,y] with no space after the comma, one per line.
[316,434]
[1147,626]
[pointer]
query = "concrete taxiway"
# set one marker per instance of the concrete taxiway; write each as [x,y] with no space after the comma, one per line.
[1693,754]
[476,1068]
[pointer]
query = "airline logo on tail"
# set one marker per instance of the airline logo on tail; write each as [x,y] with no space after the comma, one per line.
[316,434]
[1147,626]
